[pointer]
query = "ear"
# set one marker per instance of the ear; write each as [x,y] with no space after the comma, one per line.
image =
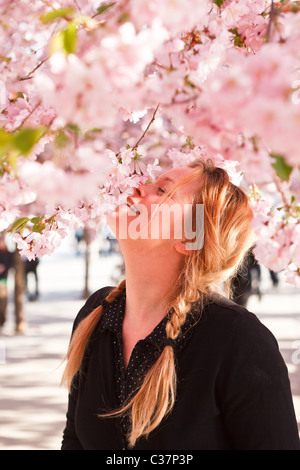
[180,248]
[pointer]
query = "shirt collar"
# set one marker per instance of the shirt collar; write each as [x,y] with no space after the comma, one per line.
[113,314]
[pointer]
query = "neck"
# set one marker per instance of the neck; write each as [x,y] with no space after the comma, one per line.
[149,279]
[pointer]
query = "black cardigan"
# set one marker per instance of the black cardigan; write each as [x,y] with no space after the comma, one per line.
[233,387]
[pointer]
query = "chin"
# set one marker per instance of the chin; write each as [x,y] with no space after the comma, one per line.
[118,221]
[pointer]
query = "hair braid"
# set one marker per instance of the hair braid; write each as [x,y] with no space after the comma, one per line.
[173,326]
[81,336]
[116,292]
[157,394]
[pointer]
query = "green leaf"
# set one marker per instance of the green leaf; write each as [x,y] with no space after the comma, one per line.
[17,96]
[14,144]
[96,129]
[61,140]
[73,128]
[38,224]
[282,168]
[65,40]
[238,40]
[36,220]
[218,2]
[70,38]
[90,134]
[55,14]
[104,7]
[125,16]
[38,228]
[24,140]
[5,142]
[19,224]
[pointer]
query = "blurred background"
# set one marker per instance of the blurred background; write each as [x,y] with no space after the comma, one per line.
[38,322]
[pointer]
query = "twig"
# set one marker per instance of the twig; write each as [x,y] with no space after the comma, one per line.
[280,190]
[272,15]
[28,76]
[184,101]
[28,116]
[146,130]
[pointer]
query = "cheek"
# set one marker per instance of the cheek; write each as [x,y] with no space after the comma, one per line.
[111,220]
[166,222]
[127,224]
[118,219]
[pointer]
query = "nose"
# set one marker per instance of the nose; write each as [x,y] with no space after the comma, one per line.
[140,191]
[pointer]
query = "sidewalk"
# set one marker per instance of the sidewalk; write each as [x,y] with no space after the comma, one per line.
[33,405]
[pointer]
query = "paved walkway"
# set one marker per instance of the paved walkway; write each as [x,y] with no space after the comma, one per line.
[32,404]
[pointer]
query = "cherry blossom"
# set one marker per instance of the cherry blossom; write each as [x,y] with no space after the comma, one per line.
[98,97]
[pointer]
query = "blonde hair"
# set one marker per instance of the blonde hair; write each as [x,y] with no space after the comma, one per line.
[227,238]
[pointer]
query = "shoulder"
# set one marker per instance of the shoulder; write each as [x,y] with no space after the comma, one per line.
[245,339]
[97,297]
[94,301]
[233,316]
[233,326]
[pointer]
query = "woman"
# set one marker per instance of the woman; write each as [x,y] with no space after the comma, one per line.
[165,361]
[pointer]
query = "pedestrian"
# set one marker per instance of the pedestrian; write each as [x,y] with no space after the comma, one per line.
[241,284]
[79,237]
[274,278]
[165,361]
[247,281]
[6,263]
[31,270]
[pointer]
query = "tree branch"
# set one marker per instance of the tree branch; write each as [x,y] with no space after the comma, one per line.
[146,130]
[272,16]
[28,76]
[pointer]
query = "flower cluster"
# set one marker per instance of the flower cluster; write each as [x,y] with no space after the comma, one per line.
[81,82]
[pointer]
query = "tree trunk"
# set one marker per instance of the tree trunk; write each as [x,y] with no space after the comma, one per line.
[19,293]
[86,237]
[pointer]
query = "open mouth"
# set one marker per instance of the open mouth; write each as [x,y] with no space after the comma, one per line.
[133,208]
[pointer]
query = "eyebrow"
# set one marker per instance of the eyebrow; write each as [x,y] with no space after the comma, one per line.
[165,178]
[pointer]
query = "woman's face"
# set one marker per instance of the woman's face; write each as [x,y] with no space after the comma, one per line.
[149,218]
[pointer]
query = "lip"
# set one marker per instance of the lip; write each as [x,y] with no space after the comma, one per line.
[131,205]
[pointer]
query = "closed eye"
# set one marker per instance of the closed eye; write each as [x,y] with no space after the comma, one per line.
[161,190]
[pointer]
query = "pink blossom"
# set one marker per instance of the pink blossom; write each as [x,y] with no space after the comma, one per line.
[132,116]
[221,87]
[68,218]
[269,253]
[181,158]
[127,155]
[23,246]
[153,169]
[295,243]
[3,96]
[174,14]
[295,182]
[7,217]
[250,159]
[233,12]
[293,277]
